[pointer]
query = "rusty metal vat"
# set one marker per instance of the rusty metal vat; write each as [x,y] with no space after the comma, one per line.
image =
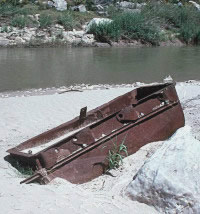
[77,150]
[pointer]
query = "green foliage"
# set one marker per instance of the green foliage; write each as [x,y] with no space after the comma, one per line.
[19,21]
[67,20]
[77,2]
[145,26]
[112,11]
[90,5]
[6,29]
[45,20]
[182,20]
[7,10]
[24,170]
[11,2]
[116,155]
[129,26]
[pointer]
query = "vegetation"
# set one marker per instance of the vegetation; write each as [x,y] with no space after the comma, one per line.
[8,10]
[19,21]
[45,20]
[116,155]
[24,170]
[147,25]
[185,21]
[155,23]
[6,29]
[16,15]
[128,26]
[67,20]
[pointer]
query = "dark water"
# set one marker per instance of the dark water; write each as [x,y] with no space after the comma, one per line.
[48,67]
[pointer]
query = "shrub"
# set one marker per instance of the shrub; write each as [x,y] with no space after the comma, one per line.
[6,29]
[19,21]
[190,33]
[130,26]
[116,155]
[7,10]
[66,20]
[45,20]
[183,20]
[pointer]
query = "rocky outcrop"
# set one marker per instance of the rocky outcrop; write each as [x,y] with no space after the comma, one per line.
[169,180]
[55,34]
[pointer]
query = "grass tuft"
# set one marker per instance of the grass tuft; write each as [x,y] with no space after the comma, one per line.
[66,20]
[116,155]
[24,170]
[45,20]
[20,21]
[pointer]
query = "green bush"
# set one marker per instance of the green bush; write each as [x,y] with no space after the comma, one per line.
[190,33]
[19,21]
[129,26]
[182,20]
[45,20]
[11,2]
[66,20]
[7,10]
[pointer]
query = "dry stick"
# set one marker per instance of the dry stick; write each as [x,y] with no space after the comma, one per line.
[71,90]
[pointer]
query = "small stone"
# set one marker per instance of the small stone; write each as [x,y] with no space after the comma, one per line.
[19,40]
[79,34]
[4,41]
[88,39]
[37,16]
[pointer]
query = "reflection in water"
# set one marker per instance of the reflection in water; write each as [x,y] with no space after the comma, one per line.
[47,67]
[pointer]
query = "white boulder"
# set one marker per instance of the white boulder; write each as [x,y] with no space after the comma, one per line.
[170,179]
[195,4]
[97,21]
[60,5]
[82,8]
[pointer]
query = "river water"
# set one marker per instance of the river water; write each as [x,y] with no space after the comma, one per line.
[22,68]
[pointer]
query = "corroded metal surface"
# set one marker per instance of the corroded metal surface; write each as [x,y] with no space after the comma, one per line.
[78,150]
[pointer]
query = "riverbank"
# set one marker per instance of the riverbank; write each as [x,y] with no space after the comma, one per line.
[37,113]
[125,24]
[57,36]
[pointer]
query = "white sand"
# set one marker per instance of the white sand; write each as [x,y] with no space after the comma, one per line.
[24,117]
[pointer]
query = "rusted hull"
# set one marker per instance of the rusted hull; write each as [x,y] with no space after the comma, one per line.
[144,115]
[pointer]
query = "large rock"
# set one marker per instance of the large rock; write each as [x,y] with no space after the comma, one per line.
[97,21]
[170,179]
[81,8]
[60,5]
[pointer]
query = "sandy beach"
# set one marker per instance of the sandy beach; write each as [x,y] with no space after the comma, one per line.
[23,117]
